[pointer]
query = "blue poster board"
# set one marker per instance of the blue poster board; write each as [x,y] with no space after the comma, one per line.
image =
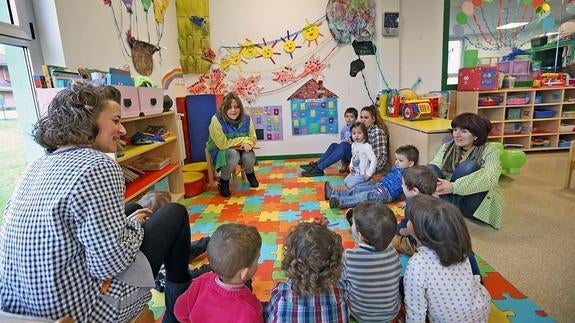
[314,116]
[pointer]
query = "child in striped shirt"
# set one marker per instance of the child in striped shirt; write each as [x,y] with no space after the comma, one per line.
[372,271]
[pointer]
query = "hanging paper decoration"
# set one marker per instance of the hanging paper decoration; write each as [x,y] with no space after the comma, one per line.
[128,4]
[289,44]
[209,55]
[210,83]
[313,66]
[477,22]
[160,7]
[311,33]
[234,58]
[351,19]
[248,49]
[285,76]
[248,88]
[146,5]
[200,22]
[267,51]
[142,53]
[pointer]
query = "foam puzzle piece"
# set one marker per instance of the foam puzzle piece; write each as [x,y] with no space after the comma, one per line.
[525,309]
[497,286]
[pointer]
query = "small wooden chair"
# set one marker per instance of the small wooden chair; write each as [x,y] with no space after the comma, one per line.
[212,171]
[570,164]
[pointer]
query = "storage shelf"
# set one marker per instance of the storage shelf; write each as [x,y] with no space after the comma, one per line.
[561,100]
[148,179]
[131,151]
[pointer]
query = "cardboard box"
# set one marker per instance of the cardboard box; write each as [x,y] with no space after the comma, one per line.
[151,100]
[130,101]
[480,78]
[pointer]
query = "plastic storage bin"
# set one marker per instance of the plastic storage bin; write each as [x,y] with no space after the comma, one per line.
[513,113]
[543,113]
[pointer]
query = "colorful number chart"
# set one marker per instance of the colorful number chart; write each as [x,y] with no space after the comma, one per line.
[314,116]
[267,122]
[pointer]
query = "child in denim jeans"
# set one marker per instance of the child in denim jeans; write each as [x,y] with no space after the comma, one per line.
[386,190]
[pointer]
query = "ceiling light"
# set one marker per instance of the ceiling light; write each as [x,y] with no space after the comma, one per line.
[512,25]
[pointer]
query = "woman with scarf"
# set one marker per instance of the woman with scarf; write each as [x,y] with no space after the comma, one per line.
[468,170]
[232,140]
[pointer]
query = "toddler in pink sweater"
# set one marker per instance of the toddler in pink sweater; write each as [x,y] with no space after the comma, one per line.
[222,295]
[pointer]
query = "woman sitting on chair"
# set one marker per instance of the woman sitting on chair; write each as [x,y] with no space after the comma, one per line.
[232,140]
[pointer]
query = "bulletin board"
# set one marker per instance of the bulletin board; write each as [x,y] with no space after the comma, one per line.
[314,116]
[267,122]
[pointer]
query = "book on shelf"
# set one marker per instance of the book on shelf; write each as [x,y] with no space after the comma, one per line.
[129,175]
[151,163]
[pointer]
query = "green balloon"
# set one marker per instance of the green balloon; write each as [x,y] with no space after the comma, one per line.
[527,1]
[461,18]
[146,4]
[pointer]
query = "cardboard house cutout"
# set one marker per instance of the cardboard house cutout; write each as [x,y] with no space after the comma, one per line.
[313,110]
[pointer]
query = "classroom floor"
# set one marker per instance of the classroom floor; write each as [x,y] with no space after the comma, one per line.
[283,199]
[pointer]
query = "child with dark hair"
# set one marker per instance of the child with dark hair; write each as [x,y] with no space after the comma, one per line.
[439,283]
[313,291]
[416,180]
[386,190]
[222,296]
[337,151]
[372,271]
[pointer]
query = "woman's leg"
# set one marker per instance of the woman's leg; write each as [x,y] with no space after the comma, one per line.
[248,159]
[467,204]
[232,160]
[328,152]
[346,159]
[167,240]
[337,154]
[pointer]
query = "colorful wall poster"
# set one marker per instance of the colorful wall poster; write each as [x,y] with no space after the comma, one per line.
[267,122]
[314,116]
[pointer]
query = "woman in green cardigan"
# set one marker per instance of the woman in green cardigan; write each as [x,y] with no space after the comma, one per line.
[232,140]
[468,170]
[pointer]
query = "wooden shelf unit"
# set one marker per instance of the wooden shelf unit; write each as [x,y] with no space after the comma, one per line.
[170,148]
[516,118]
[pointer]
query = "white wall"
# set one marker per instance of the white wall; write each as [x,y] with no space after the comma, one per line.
[89,39]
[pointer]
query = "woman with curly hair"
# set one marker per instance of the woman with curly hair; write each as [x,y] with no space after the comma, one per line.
[313,291]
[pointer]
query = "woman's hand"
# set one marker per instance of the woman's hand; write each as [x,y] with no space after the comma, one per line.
[141,215]
[443,187]
[247,147]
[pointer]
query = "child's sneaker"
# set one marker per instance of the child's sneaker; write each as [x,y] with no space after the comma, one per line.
[349,215]
[334,202]
[327,190]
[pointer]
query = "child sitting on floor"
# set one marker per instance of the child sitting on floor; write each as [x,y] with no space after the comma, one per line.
[222,296]
[363,160]
[372,271]
[416,180]
[313,291]
[386,190]
[439,283]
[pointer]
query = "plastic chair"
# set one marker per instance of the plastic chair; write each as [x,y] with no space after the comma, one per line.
[570,164]
[212,171]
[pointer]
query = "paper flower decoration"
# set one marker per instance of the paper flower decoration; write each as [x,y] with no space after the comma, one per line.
[248,88]
[285,76]
[313,66]
[210,83]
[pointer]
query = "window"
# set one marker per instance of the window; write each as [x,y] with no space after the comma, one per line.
[454,59]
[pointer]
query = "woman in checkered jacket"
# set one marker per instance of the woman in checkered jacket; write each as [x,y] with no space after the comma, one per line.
[67,246]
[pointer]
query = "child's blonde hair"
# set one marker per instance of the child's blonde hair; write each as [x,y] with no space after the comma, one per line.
[154,200]
[312,258]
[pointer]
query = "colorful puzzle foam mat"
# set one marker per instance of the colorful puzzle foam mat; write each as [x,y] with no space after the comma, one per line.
[285,198]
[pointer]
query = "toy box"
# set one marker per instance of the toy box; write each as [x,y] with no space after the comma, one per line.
[151,100]
[130,102]
[543,113]
[480,78]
